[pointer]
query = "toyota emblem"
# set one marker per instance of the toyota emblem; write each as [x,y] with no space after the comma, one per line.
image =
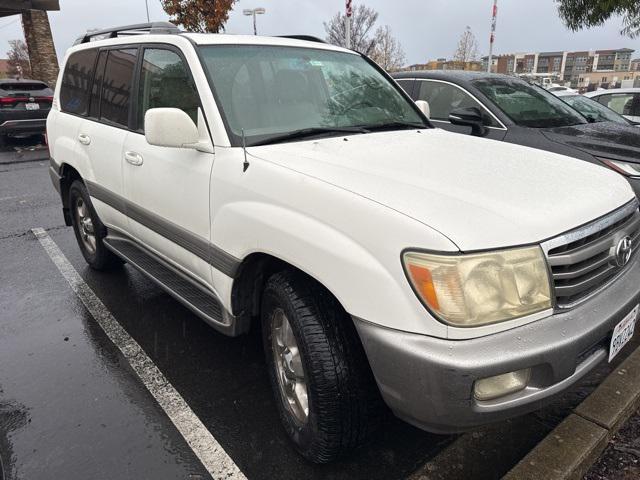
[623,251]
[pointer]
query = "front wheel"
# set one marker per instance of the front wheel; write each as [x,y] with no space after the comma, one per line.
[325,391]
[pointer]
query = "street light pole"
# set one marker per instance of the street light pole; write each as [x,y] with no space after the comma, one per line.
[146,2]
[253,12]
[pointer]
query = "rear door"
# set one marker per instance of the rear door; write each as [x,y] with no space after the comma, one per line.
[168,189]
[101,136]
[443,97]
[64,121]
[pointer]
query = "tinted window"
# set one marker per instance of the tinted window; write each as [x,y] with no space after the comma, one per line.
[443,98]
[117,85]
[528,105]
[165,82]
[78,72]
[94,108]
[23,86]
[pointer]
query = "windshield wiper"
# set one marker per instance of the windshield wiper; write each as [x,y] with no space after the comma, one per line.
[395,126]
[307,133]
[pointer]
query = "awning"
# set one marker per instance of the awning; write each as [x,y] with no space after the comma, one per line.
[14,7]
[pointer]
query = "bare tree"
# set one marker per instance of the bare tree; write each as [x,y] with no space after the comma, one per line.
[388,52]
[19,65]
[362,20]
[467,50]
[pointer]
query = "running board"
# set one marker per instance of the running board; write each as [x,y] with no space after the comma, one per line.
[189,292]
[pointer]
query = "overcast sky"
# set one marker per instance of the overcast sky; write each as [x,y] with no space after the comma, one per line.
[427,29]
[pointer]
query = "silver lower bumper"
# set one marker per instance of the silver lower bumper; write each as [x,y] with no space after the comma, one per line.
[429,382]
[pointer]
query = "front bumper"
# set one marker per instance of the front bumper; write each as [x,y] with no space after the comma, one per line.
[428,382]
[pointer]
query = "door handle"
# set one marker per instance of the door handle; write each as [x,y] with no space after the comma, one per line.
[133,158]
[84,139]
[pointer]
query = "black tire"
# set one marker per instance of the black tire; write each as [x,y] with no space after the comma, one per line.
[100,258]
[344,405]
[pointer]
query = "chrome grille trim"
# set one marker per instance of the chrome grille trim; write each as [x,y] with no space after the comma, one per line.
[582,261]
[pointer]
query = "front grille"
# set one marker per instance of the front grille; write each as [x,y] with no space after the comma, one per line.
[583,261]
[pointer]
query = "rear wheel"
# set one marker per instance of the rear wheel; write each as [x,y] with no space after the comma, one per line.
[89,230]
[325,391]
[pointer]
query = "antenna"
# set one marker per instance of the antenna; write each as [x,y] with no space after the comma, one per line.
[246,164]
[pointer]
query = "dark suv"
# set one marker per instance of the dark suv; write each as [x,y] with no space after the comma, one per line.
[24,106]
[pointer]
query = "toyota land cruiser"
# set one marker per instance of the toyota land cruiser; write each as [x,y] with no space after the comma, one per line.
[290,185]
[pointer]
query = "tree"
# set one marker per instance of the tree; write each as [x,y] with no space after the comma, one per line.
[42,51]
[19,65]
[388,52]
[362,22]
[467,50]
[199,15]
[379,44]
[578,14]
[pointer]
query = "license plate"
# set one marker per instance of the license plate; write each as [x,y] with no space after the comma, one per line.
[32,106]
[623,332]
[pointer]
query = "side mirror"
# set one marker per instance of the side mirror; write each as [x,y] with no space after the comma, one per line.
[469,117]
[424,107]
[170,127]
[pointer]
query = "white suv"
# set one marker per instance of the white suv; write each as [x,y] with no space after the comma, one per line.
[458,280]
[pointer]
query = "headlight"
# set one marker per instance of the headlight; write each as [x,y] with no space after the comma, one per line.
[626,168]
[480,288]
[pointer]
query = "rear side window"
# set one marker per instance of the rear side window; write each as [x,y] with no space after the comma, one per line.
[78,72]
[165,82]
[117,86]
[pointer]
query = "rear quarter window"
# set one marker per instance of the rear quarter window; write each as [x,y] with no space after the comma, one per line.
[76,81]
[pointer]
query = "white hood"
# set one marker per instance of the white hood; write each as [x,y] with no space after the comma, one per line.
[480,193]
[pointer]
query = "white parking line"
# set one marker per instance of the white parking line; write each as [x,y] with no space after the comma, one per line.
[201,441]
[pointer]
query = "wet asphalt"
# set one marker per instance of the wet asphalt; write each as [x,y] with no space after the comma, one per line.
[71,407]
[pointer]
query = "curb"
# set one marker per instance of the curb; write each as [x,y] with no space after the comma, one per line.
[570,450]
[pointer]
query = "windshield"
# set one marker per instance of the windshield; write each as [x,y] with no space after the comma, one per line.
[271,91]
[528,106]
[593,110]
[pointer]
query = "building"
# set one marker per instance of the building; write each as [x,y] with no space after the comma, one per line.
[444,64]
[584,69]
[4,68]
[494,63]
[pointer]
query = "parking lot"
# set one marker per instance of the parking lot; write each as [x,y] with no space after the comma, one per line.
[73,407]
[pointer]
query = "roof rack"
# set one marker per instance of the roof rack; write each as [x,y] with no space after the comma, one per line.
[157,28]
[308,38]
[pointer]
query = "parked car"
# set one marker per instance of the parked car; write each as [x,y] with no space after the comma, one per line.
[593,111]
[292,186]
[24,106]
[625,101]
[509,109]
[555,88]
